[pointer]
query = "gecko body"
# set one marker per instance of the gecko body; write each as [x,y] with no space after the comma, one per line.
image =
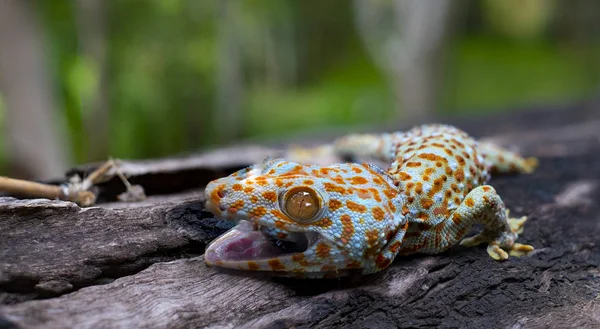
[327,221]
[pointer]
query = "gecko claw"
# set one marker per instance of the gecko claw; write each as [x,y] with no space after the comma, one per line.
[496,252]
[516,224]
[520,249]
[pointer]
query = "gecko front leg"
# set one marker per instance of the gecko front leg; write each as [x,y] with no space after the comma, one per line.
[483,205]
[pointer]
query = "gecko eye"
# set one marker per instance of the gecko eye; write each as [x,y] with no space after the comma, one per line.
[302,204]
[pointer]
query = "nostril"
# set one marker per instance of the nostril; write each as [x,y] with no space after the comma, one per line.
[221,193]
[222,207]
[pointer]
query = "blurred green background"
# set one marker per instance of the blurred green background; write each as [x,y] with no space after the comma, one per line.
[151,78]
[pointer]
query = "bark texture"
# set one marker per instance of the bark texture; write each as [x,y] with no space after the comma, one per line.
[140,265]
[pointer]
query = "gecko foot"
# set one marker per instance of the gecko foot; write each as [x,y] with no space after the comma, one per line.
[500,248]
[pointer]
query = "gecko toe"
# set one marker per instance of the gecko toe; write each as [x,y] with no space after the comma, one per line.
[496,252]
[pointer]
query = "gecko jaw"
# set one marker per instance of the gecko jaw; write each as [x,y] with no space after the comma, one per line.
[245,242]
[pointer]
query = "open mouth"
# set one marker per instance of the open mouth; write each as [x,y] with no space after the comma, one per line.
[247,241]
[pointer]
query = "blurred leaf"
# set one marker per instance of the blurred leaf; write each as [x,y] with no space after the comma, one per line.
[82,80]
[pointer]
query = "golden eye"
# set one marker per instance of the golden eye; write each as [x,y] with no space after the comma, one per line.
[302,204]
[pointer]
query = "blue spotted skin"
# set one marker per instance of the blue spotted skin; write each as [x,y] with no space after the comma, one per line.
[364,216]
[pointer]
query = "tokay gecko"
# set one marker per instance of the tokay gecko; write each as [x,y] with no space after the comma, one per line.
[328,221]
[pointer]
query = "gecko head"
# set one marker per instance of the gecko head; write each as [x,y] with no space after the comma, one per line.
[303,220]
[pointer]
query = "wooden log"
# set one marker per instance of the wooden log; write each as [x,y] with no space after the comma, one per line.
[126,265]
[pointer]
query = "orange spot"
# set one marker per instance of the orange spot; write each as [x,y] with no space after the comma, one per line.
[276,265]
[279,183]
[354,264]
[324,171]
[391,206]
[217,194]
[308,182]
[442,210]
[486,189]
[280,215]
[372,237]
[461,160]
[356,170]
[357,180]
[395,246]
[455,188]
[249,189]
[426,203]
[298,258]
[322,250]
[237,187]
[405,210]
[428,171]
[382,262]
[270,196]
[423,216]
[257,212]
[261,182]
[389,193]
[459,175]
[432,157]
[236,206]
[271,172]
[347,228]
[378,213]
[456,218]
[461,145]
[339,180]
[329,187]
[253,199]
[253,266]
[297,170]
[469,202]
[334,204]
[404,176]
[324,223]
[328,268]
[419,188]
[355,206]
[413,164]
[363,194]
[375,194]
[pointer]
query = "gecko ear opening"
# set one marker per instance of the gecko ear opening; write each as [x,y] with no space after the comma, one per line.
[384,174]
[268,164]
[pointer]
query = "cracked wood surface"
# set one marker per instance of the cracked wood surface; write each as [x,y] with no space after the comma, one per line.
[140,265]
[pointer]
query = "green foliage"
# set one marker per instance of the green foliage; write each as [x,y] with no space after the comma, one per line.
[303,67]
[488,73]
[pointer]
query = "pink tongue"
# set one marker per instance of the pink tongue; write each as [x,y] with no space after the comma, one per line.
[241,243]
[252,245]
